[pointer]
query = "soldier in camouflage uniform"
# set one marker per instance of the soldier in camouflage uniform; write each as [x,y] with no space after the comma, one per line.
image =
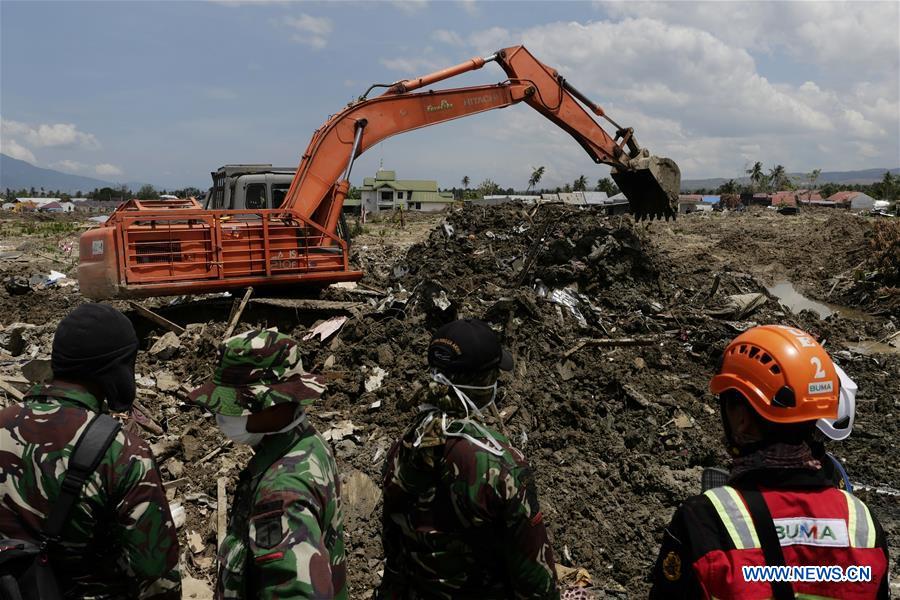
[461,515]
[119,540]
[286,534]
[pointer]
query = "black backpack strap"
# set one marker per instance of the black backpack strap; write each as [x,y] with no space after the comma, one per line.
[768,539]
[85,457]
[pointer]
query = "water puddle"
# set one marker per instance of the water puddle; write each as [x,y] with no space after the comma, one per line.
[794,301]
[870,347]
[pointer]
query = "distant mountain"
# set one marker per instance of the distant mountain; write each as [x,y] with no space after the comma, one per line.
[16,174]
[862,177]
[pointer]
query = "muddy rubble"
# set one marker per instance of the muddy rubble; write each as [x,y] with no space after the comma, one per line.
[615,328]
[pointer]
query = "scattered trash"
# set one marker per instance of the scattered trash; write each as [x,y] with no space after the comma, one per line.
[373,381]
[195,542]
[740,306]
[339,431]
[573,577]
[326,329]
[55,276]
[178,514]
[448,229]
[568,298]
[683,421]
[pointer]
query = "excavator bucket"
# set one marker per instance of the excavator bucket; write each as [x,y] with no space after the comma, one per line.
[651,186]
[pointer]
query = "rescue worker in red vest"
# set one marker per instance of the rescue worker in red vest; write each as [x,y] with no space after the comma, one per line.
[779,508]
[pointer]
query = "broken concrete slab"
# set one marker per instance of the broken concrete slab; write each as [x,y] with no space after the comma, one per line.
[166,382]
[166,346]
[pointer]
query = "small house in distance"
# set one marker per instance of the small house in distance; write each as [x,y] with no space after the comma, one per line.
[386,192]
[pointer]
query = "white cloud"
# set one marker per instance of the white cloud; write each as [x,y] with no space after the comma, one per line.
[699,95]
[44,135]
[69,166]
[447,37]
[471,7]
[410,6]
[412,66]
[107,170]
[309,30]
[11,147]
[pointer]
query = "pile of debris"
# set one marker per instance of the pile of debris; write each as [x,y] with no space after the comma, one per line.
[613,341]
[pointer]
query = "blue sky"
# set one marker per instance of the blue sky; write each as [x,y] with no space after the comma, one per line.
[167,91]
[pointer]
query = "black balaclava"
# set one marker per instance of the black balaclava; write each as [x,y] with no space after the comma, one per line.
[96,343]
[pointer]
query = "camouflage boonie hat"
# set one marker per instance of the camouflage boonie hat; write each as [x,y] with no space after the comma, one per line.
[256,370]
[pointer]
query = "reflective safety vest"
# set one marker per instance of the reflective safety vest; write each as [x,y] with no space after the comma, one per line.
[825,527]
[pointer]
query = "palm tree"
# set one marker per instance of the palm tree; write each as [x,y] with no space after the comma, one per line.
[777,177]
[465,182]
[536,174]
[606,185]
[811,177]
[580,184]
[756,174]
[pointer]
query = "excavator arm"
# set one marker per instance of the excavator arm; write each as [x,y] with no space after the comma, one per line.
[317,192]
[153,248]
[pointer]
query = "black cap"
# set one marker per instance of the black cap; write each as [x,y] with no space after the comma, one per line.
[467,345]
[97,343]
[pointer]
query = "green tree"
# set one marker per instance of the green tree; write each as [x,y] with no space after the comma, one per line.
[888,187]
[580,184]
[567,188]
[465,182]
[488,188]
[536,174]
[729,187]
[606,185]
[757,176]
[777,177]
[811,179]
[147,192]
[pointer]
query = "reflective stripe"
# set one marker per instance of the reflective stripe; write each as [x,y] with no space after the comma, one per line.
[734,515]
[859,523]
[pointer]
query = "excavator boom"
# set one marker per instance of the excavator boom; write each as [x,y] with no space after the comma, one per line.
[157,249]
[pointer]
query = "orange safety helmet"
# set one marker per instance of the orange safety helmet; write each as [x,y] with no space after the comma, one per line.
[785,374]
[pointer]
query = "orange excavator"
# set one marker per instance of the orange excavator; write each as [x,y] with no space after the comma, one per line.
[161,248]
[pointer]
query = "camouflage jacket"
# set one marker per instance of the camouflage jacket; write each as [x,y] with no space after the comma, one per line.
[119,541]
[286,534]
[461,522]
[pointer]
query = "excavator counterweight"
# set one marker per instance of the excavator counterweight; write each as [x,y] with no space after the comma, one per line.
[169,248]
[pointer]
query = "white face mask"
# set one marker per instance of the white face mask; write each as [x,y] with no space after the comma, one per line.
[456,427]
[846,410]
[235,428]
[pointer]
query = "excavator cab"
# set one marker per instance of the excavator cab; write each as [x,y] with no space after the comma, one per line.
[651,186]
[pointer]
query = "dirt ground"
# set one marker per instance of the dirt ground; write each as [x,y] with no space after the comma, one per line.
[617,435]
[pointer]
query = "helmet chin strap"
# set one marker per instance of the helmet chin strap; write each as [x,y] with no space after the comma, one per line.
[456,427]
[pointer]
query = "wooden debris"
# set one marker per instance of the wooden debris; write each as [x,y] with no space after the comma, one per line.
[236,314]
[9,389]
[221,511]
[612,342]
[215,452]
[159,320]
[168,485]
[141,414]
[305,304]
